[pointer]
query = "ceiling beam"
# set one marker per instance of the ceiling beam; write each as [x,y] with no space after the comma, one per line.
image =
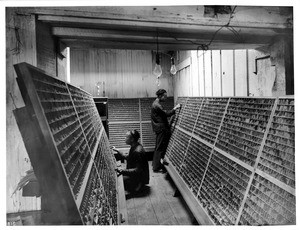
[150,37]
[153,26]
[275,17]
[86,44]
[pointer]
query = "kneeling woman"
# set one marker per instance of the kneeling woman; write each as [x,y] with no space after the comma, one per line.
[136,174]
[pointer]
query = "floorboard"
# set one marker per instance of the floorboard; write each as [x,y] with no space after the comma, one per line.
[144,211]
[131,213]
[161,207]
[157,205]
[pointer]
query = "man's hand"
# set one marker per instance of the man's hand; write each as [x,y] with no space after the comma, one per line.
[177,106]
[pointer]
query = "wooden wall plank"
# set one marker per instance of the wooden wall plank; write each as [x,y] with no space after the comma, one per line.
[208,73]
[253,80]
[120,73]
[227,73]
[194,74]
[17,160]
[201,73]
[216,73]
[240,73]
[183,83]
[46,49]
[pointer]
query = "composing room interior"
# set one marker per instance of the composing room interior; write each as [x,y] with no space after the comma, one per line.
[78,78]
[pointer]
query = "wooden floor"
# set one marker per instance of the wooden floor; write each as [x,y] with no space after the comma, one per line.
[157,204]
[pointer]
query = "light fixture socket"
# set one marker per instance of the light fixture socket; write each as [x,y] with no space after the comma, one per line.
[157,59]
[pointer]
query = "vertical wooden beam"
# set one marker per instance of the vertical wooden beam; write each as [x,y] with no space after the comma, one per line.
[233,72]
[204,72]
[221,81]
[247,66]
[212,77]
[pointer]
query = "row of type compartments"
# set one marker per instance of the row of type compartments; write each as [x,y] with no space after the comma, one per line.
[249,124]
[284,116]
[106,167]
[239,144]
[76,92]
[61,125]
[104,162]
[244,152]
[248,148]
[265,205]
[200,129]
[279,164]
[53,95]
[283,127]
[250,108]
[123,108]
[272,195]
[282,174]
[196,157]
[201,118]
[222,196]
[286,101]
[124,112]
[83,106]
[252,215]
[209,109]
[83,103]
[52,106]
[95,208]
[51,85]
[190,157]
[204,109]
[88,121]
[68,134]
[76,167]
[109,185]
[225,183]
[253,101]
[74,142]
[221,211]
[251,129]
[105,145]
[87,115]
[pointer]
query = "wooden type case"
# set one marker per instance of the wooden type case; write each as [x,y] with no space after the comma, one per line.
[64,137]
[233,159]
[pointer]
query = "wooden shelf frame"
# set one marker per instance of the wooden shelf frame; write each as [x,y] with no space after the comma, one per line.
[179,126]
[140,103]
[59,203]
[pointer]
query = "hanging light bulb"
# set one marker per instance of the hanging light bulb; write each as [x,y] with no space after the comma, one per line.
[157,81]
[157,70]
[173,69]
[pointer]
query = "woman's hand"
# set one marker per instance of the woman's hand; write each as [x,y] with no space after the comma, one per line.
[119,170]
[115,149]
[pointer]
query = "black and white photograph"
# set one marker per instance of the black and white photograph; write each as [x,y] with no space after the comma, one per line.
[161,113]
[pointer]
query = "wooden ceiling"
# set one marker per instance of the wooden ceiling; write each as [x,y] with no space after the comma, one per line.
[175,27]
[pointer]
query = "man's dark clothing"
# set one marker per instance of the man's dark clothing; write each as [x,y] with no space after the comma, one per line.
[137,168]
[161,127]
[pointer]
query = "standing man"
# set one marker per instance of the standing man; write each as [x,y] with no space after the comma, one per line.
[161,127]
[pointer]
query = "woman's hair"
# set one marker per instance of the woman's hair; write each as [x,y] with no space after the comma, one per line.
[135,134]
[160,92]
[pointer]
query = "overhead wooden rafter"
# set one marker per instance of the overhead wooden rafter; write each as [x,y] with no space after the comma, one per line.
[178,27]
